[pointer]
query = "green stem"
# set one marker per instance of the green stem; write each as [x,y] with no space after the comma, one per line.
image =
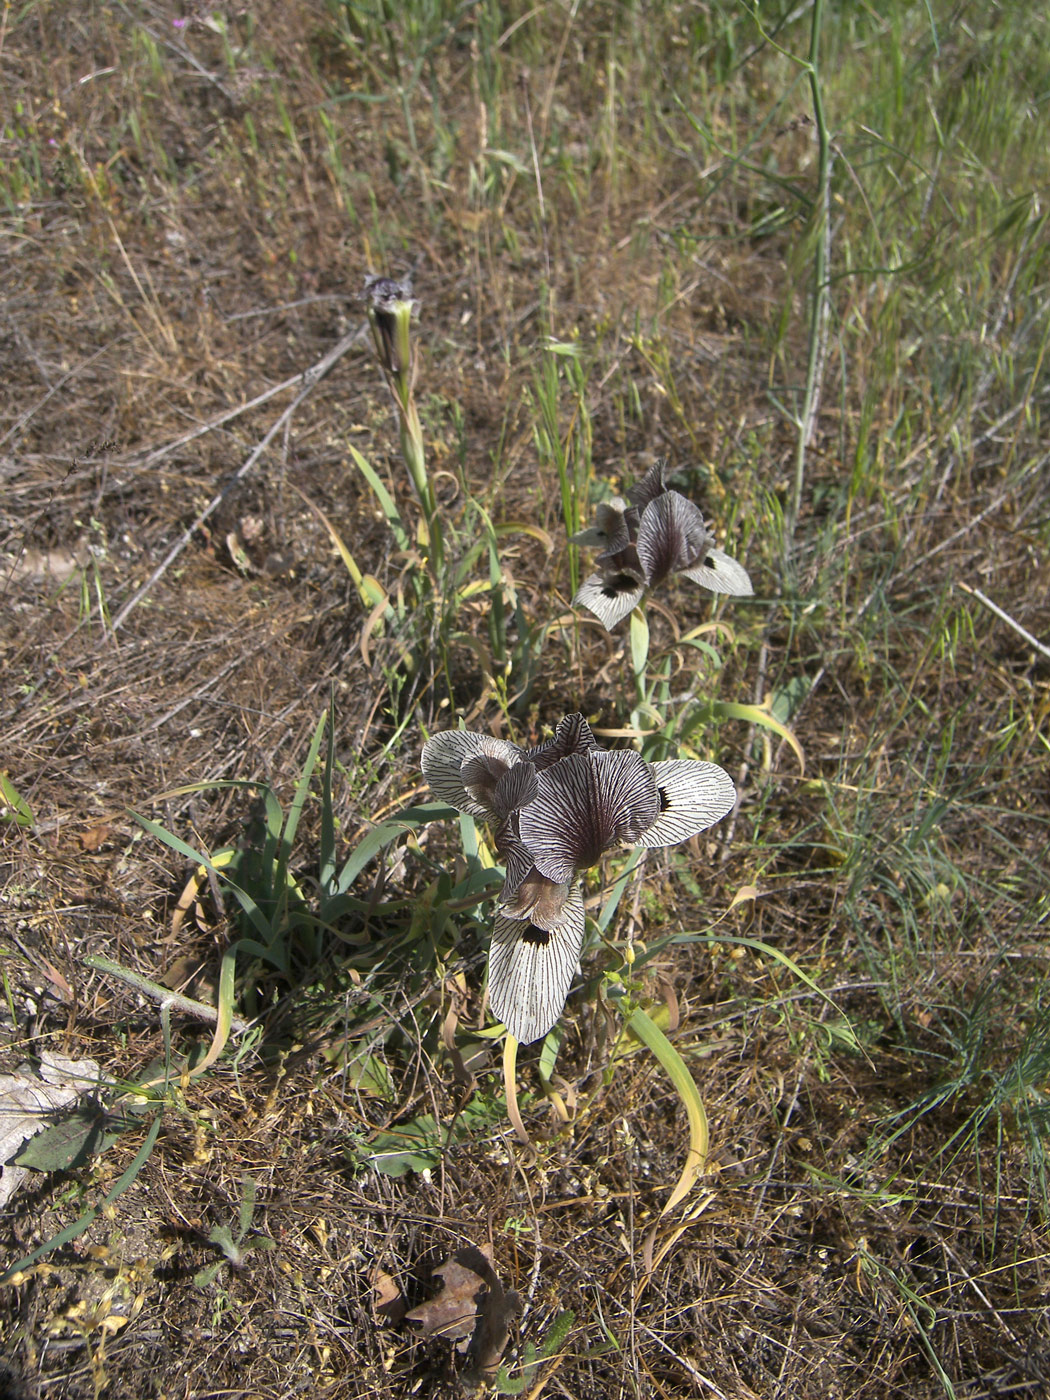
[162,995]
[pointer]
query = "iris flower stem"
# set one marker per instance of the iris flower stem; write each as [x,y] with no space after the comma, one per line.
[414,453]
[640,654]
[819,301]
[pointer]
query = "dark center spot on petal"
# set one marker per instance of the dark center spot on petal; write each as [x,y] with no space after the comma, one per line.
[617,584]
[665,801]
[538,936]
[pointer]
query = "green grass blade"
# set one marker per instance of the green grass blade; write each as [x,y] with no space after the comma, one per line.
[258,919]
[373,843]
[387,504]
[71,1232]
[650,1034]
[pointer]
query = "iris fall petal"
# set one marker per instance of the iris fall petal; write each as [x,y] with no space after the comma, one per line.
[721,574]
[531,969]
[693,795]
[610,596]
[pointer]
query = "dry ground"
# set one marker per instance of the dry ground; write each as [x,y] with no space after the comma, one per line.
[191,212]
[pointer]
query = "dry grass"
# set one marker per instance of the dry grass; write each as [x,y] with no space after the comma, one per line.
[189,214]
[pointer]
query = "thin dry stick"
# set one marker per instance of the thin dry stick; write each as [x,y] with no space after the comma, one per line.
[310,380]
[1010,622]
[228,415]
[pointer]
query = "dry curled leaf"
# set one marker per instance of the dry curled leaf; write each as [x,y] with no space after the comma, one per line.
[496,1313]
[95,838]
[454,1312]
[388,1303]
[472,1309]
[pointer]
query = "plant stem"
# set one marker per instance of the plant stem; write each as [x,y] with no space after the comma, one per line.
[164,996]
[819,303]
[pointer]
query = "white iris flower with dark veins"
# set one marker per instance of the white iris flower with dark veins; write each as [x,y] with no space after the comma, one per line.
[656,532]
[556,810]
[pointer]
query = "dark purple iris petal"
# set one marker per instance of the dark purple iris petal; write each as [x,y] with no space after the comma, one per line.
[651,485]
[671,537]
[587,804]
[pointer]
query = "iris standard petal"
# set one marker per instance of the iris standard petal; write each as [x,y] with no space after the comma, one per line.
[531,969]
[693,796]
[499,789]
[609,531]
[651,485]
[610,595]
[572,735]
[587,804]
[721,574]
[444,757]
[671,536]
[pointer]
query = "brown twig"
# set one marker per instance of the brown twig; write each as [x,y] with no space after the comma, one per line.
[310,379]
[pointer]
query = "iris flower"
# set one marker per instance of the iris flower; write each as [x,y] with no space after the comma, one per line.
[656,532]
[391,307]
[556,810]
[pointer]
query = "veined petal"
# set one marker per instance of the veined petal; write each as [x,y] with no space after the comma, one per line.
[651,485]
[572,735]
[610,596]
[499,789]
[518,863]
[721,574]
[671,536]
[693,796]
[444,757]
[609,531]
[536,898]
[587,804]
[531,969]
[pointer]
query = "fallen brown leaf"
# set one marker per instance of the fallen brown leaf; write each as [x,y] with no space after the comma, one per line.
[454,1312]
[95,837]
[388,1304]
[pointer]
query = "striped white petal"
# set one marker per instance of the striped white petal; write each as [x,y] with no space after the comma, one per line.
[671,536]
[572,735]
[693,796]
[721,574]
[610,595]
[444,756]
[531,969]
[585,805]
